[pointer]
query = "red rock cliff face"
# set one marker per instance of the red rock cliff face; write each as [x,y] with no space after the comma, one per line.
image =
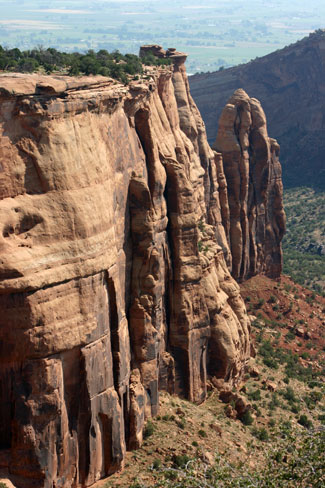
[253,175]
[114,283]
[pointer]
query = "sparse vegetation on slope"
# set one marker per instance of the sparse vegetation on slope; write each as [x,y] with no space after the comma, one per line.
[296,461]
[304,241]
[280,440]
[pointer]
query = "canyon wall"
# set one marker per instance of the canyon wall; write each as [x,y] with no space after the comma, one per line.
[254,184]
[114,268]
[289,83]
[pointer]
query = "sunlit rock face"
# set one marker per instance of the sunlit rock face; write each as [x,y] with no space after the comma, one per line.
[114,256]
[253,175]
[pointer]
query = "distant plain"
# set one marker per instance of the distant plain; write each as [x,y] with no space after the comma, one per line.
[214,34]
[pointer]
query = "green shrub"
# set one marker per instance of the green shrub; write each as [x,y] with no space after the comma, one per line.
[312,399]
[261,434]
[290,336]
[156,464]
[180,461]
[271,363]
[295,409]
[321,418]
[202,433]
[148,430]
[274,402]
[254,395]
[305,421]
[260,303]
[247,418]
[289,395]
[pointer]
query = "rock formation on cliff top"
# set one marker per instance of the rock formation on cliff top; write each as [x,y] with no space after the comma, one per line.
[290,85]
[115,230]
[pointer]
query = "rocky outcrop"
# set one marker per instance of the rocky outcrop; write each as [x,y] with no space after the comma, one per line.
[290,85]
[114,283]
[254,188]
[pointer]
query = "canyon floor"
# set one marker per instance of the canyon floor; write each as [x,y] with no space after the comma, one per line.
[284,384]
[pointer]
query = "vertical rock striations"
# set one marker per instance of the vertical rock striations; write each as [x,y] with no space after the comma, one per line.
[253,174]
[114,237]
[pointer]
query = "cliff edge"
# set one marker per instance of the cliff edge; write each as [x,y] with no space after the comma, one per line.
[114,268]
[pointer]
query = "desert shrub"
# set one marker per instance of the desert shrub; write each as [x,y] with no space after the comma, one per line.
[247,418]
[261,434]
[274,402]
[305,421]
[180,461]
[260,303]
[295,408]
[289,395]
[254,395]
[271,363]
[312,399]
[297,461]
[202,433]
[156,464]
[148,430]
[290,336]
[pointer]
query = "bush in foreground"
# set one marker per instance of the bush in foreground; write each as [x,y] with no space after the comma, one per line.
[296,461]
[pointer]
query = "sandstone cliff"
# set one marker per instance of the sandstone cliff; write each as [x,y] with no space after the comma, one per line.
[290,85]
[114,281]
[253,175]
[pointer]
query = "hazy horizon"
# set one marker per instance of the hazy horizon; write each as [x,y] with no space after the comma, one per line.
[214,34]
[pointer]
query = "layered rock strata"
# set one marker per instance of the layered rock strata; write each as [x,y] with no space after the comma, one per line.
[114,283]
[254,188]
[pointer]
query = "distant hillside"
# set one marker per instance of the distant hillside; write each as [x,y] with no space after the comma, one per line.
[290,83]
[304,241]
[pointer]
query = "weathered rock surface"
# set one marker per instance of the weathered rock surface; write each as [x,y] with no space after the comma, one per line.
[254,188]
[114,282]
[290,86]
